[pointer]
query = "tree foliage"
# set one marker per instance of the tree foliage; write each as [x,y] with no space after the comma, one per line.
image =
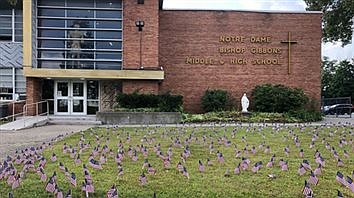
[338,19]
[337,78]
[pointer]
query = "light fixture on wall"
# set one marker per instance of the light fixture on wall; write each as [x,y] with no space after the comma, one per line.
[140,24]
[140,1]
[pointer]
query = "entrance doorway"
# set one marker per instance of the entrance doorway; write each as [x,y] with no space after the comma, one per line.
[70,97]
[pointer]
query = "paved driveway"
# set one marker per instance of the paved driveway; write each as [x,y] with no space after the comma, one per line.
[10,141]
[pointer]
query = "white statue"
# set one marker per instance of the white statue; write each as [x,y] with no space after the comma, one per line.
[245,103]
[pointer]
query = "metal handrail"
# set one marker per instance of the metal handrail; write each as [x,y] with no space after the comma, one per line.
[13,110]
[25,110]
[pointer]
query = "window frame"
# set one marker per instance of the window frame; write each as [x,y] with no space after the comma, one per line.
[115,32]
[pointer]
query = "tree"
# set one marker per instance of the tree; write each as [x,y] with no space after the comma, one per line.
[337,78]
[338,19]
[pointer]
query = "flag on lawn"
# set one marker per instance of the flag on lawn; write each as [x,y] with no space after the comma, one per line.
[350,183]
[346,154]
[257,167]
[185,172]
[78,160]
[50,187]
[237,169]
[209,163]
[318,170]
[68,194]
[95,164]
[301,154]
[61,166]
[306,165]
[73,179]
[113,192]
[339,194]
[284,166]
[307,191]
[143,179]
[313,179]
[151,170]
[201,166]
[16,182]
[340,163]
[301,170]
[340,178]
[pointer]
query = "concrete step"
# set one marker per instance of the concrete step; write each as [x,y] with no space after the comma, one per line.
[74,120]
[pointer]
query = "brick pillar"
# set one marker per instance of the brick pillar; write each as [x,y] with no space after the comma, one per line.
[141,86]
[34,94]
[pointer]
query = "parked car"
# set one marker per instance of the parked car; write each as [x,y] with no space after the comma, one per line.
[338,109]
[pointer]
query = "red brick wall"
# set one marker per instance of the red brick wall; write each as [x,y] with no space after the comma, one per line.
[142,86]
[148,12]
[197,34]
[34,93]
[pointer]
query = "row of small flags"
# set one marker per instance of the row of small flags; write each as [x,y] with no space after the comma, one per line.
[29,156]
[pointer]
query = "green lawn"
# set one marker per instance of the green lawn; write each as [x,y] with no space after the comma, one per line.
[211,183]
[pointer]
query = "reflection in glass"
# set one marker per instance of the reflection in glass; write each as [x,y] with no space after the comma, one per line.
[78,106]
[51,64]
[109,55]
[52,33]
[62,105]
[109,14]
[80,13]
[50,44]
[80,3]
[51,3]
[109,34]
[50,54]
[78,89]
[108,45]
[92,89]
[62,89]
[109,4]
[109,24]
[51,12]
[92,107]
[109,65]
[51,23]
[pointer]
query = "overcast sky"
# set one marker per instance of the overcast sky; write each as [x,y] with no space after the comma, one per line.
[334,51]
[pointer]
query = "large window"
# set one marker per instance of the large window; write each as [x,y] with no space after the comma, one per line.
[11,21]
[12,84]
[78,34]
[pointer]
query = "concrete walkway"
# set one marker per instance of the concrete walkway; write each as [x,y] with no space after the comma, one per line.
[24,123]
[10,141]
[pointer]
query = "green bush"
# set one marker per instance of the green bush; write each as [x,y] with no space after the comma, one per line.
[215,100]
[278,98]
[170,103]
[305,115]
[165,102]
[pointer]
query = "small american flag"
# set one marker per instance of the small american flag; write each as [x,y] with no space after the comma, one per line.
[201,166]
[340,163]
[340,178]
[185,172]
[301,170]
[284,167]
[339,194]
[301,154]
[73,179]
[143,179]
[113,192]
[95,164]
[350,183]
[318,170]
[306,164]
[50,187]
[16,183]
[313,179]
[237,169]
[68,194]
[307,190]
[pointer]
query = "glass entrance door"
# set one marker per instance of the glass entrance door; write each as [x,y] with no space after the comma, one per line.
[70,98]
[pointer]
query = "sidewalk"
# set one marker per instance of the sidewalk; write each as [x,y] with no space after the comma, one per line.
[10,141]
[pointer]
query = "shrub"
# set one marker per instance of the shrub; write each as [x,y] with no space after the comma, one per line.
[277,98]
[170,103]
[215,100]
[165,102]
[305,115]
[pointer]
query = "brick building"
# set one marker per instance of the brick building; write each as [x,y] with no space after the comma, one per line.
[80,54]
